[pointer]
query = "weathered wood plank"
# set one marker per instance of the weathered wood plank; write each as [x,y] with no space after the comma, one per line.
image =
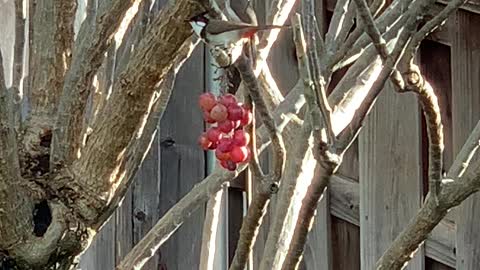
[345,203]
[346,252]
[101,253]
[183,162]
[124,227]
[465,113]
[390,174]
[145,199]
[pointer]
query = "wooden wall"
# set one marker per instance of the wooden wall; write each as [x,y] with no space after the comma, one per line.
[378,188]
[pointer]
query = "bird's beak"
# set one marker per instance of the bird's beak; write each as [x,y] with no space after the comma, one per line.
[187,21]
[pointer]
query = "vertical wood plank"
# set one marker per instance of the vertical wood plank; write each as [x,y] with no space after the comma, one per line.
[124,227]
[465,114]
[145,198]
[390,174]
[345,245]
[101,254]
[183,162]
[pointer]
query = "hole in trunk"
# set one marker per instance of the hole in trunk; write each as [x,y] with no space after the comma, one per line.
[42,217]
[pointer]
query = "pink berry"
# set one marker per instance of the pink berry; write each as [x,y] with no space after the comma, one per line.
[227,100]
[227,126]
[222,155]
[207,118]
[219,113]
[204,142]
[241,138]
[239,154]
[214,134]
[225,145]
[246,118]
[229,165]
[207,101]
[235,112]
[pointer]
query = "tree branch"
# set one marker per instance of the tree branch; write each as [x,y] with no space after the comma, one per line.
[431,25]
[15,206]
[96,173]
[339,22]
[269,184]
[462,161]
[87,58]
[416,83]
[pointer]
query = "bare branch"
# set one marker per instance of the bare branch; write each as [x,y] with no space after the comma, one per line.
[431,25]
[377,39]
[416,83]
[341,20]
[318,76]
[462,161]
[324,169]
[245,68]
[87,58]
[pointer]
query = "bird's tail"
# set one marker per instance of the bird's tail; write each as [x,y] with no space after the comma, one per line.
[268,27]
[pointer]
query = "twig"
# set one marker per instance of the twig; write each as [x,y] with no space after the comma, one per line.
[348,135]
[248,76]
[269,183]
[338,24]
[377,39]
[87,58]
[416,83]
[317,76]
[462,161]
[431,25]
[324,169]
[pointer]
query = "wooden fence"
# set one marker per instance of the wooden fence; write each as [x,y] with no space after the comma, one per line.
[369,201]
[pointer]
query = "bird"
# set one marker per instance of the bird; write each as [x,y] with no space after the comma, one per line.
[225,34]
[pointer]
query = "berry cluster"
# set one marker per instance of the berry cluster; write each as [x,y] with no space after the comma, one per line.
[226,136]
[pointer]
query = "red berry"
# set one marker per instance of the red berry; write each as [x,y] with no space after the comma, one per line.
[219,113]
[239,154]
[214,134]
[227,100]
[241,138]
[227,126]
[213,146]
[225,145]
[207,101]
[207,118]
[235,112]
[229,165]
[204,142]
[246,118]
[222,155]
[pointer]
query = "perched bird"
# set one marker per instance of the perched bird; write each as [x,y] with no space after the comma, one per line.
[225,34]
